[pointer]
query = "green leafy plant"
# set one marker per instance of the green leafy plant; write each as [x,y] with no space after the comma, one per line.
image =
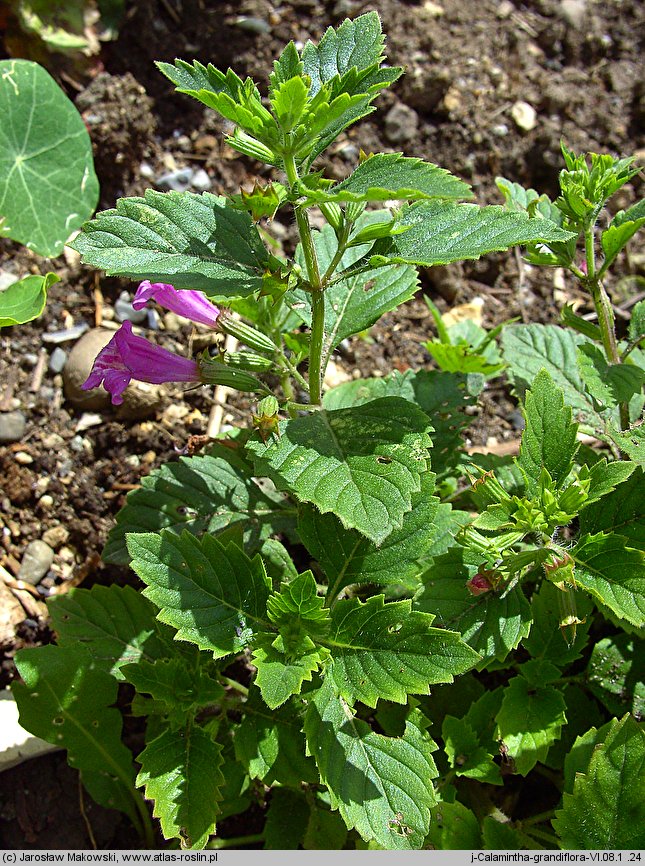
[601,374]
[464,347]
[320,639]
[48,187]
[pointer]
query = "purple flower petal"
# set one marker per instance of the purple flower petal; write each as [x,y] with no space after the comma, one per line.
[185,302]
[128,357]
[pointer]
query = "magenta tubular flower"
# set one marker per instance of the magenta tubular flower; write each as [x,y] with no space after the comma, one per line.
[185,302]
[128,357]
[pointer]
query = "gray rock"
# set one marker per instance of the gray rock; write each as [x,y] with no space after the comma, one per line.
[36,562]
[7,278]
[349,151]
[201,181]
[517,419]
[12,426]
[524,115]
[574,12]
[57,360]
[126,312]
[146,171]
[401,123]
[67,335]
[253,25]
[178,180]
[78,367]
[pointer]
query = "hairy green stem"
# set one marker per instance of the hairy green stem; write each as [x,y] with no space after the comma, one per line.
[602,304]
[227,681]
[315,286]
[542,835]
[538,819]
[340,252]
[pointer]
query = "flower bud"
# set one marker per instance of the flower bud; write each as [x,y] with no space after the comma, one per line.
[247,361]
[478,585]
[213,372]
[246,334]
[266,420]
[268,406]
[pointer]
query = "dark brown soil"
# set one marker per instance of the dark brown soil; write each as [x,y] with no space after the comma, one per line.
[577,63]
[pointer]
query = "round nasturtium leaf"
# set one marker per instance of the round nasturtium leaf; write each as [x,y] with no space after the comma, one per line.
[48,186]
[25,300]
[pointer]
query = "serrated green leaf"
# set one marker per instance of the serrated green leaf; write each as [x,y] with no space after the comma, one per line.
[281,669]
[529,348]
[622,512]
[605,477]
[352,462]
[447,523]
[491,624]
[355,303]
[461,359]
[631,442]
[48,186]
[546,640]
[298,598]
[358,43]
[236,793]
[387,176]
[620,231]
[181,772]
[388,651]
[25,299]
[609,384]
[175,683]
[347,557]
[453,827]
[207,493]
[348,61]
[442,396]
[214,595]
[288,102]
[549,438]
[528,722]
[271,745]
[381,785]
[236,100]
[466,754]
[613,573]
[539,672]
[286,820]
[606,809]
[287,66]
[481,714]
[67,700]
[577,760]
[616,674]
[439,232]
[192,241]
[116,623]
